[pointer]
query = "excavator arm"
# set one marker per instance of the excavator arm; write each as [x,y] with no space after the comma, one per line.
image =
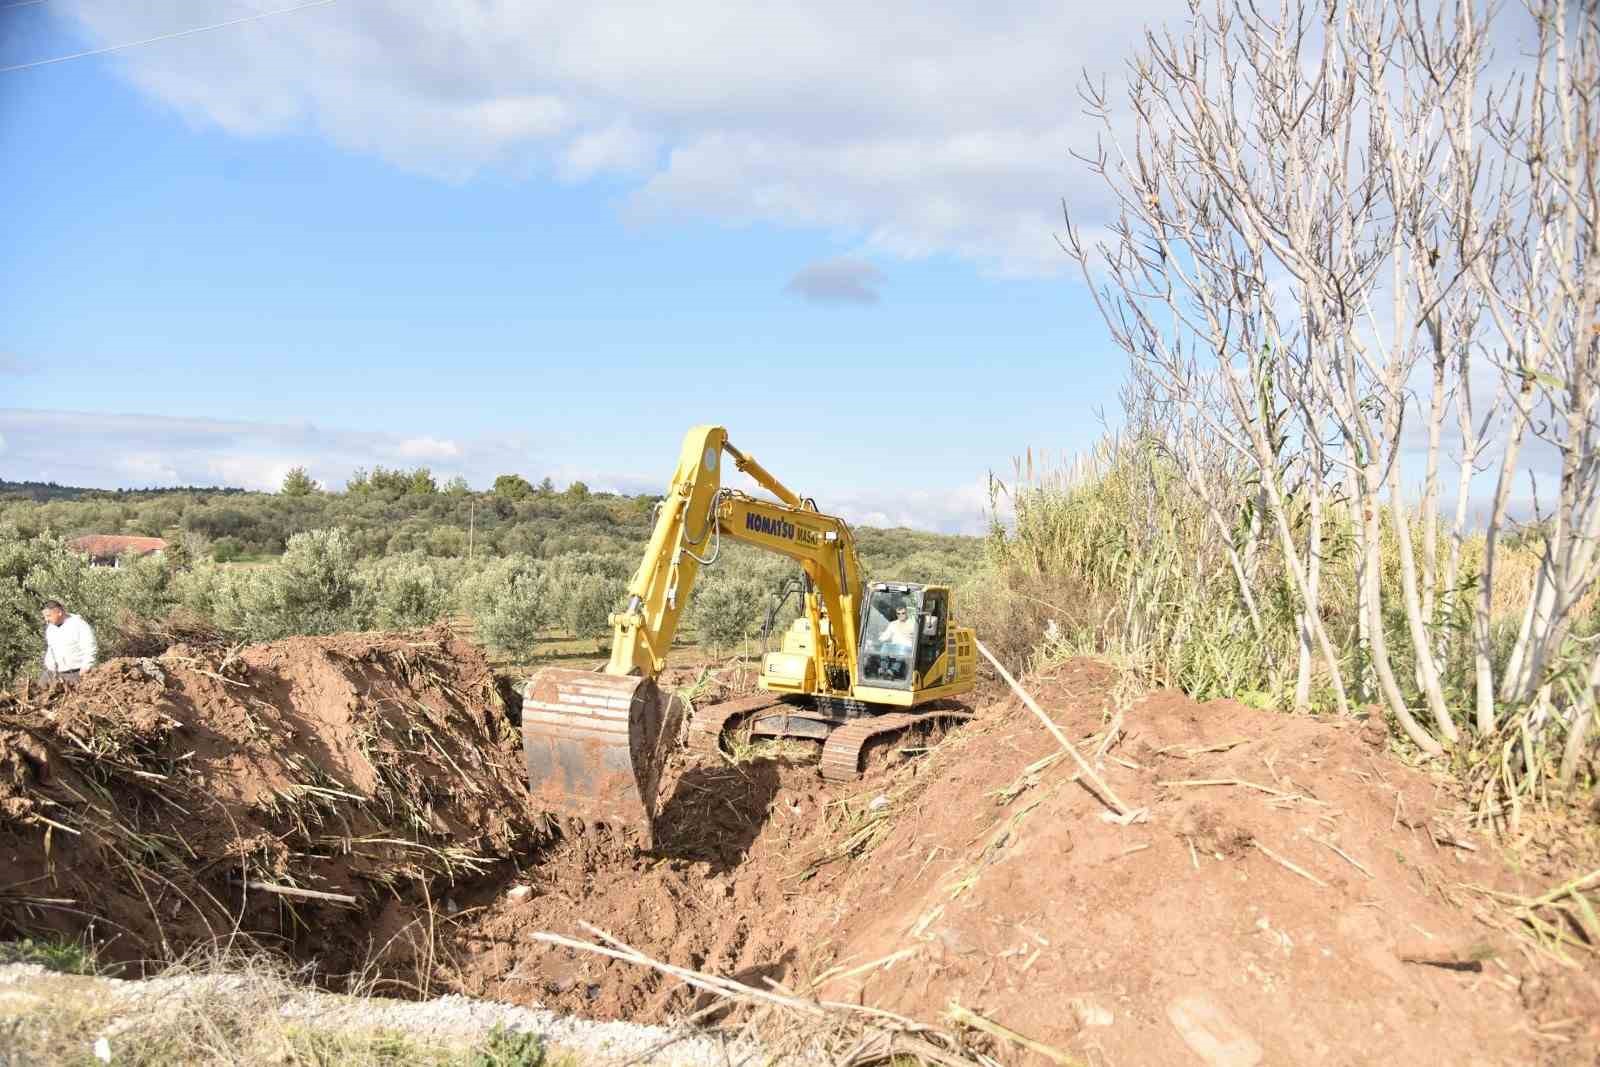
[696,516]
[595,743]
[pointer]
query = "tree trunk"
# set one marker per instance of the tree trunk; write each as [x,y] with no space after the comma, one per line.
[1482,619]
[1302,682]
[1380,646]
[1578,729]
[1421,639]
[1365,678]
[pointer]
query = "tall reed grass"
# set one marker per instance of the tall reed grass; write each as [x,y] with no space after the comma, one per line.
[1114,554]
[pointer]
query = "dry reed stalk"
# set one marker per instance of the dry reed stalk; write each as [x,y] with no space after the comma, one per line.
[839,974]
[1183,752]
[1577,921]
[1199,782]
[1347,857]
[878,1035]
[1280,861]
[968,1017]
[1027,779]
[303,894]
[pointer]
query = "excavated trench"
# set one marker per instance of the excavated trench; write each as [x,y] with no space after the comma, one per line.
[357,802]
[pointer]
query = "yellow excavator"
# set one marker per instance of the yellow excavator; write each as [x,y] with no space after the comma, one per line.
[863,661]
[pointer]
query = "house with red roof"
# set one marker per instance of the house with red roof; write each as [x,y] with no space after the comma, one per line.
[109,550]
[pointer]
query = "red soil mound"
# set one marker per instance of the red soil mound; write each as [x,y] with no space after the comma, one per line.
[147,806]
[1295,895]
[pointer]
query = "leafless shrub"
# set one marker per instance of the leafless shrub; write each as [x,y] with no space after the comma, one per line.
[1347,232]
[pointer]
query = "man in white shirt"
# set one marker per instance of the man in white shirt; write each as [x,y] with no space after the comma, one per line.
[69,645]
[901,631]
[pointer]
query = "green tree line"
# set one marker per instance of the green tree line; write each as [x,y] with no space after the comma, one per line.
[525,562]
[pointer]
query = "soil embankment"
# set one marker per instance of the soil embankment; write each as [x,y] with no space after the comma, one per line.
[1292,893]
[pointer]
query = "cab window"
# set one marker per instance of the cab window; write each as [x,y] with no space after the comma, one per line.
[890,637]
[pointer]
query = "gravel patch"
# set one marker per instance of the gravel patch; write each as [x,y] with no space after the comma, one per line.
[447,1020]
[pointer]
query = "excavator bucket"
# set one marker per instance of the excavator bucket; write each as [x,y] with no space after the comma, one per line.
[595,745]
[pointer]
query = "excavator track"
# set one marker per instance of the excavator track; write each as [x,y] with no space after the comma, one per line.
[841,753]
[709,723]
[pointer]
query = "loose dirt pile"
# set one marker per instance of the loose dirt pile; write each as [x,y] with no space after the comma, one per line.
[1291,894]
[169,803]
[1294,896]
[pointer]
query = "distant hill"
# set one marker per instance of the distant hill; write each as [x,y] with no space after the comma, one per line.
[43,492]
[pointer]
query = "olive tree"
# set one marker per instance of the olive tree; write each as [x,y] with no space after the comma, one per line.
[727,611]
[512,601]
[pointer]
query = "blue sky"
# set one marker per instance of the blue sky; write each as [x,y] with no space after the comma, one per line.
[341,237]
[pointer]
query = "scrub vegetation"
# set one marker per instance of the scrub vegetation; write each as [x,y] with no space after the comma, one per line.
[528,565]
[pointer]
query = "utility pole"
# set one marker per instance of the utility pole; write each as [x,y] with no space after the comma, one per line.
[472,525]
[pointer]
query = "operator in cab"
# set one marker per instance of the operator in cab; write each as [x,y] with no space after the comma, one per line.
[901,631]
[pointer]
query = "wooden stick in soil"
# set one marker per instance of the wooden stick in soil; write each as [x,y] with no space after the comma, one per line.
[893,1032]
[1104,791]
[967,1017]
[710,983]
[303,894]
[1280,861]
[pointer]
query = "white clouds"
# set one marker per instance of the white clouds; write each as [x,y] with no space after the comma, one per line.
[137,451]
[143,451]
[430,448]
[514,118]
[959,509]
[143,468]
[919,129]
[620,147]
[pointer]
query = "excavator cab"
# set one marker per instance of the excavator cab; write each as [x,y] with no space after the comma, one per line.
[903,634]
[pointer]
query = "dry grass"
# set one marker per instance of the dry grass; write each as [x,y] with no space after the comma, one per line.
[800,1025]
[1567,917]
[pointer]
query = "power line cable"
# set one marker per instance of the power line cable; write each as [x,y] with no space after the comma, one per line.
[20,3]
[165,36]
